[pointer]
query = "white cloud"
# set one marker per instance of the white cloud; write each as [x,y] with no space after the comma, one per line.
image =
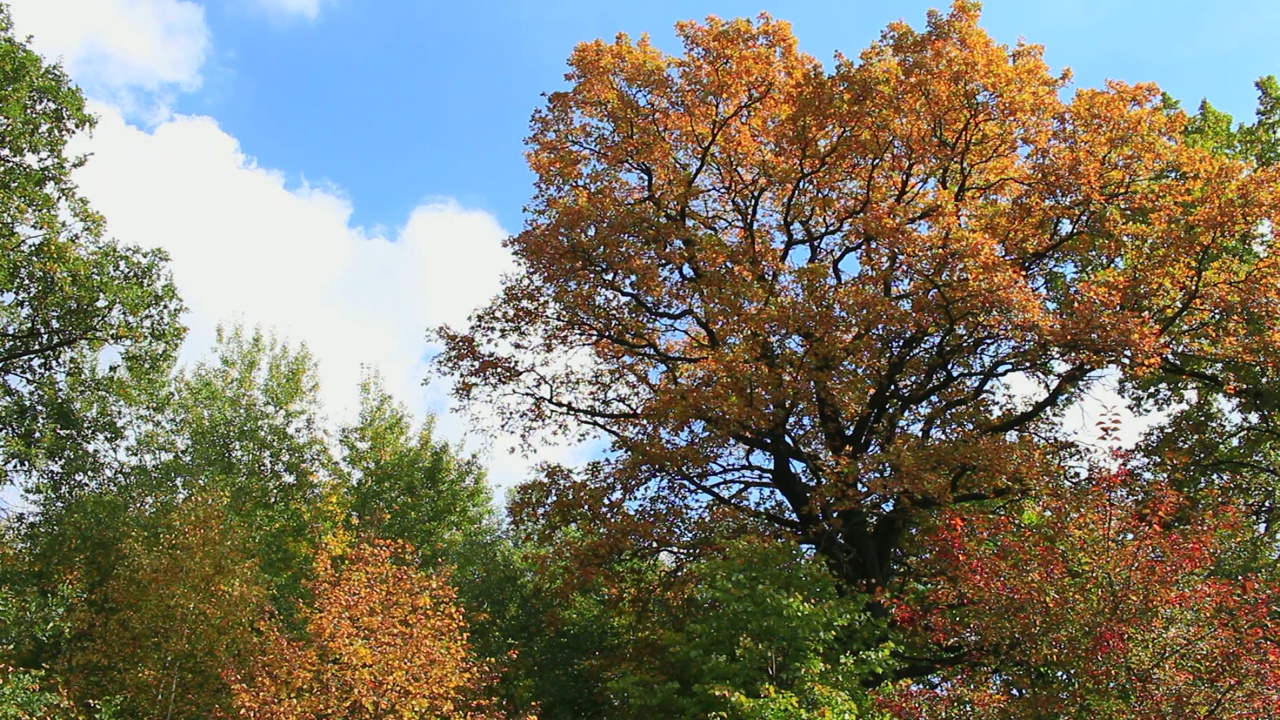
[1101,421]
[246,246]
[129,51]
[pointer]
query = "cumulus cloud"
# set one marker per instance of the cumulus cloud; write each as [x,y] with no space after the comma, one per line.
[246,246]
[132,52]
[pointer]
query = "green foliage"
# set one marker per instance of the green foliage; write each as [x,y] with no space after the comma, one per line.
[404,484]
[249,421]
[29,620]
[1212,129]
[22,697]
[764,634]
[741,629]
[247,424]
[76,308]
[32,618]
[1259,142]
[564,637]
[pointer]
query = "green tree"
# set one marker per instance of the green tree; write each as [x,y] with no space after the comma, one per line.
[759,632]
[614,614]
[406,484]
[75,306]
[1258,142]
[23,697]
[248,424]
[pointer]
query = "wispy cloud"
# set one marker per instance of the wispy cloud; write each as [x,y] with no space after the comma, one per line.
[308,9]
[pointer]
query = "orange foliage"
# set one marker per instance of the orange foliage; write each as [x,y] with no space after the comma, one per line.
[810,293]
[382,640]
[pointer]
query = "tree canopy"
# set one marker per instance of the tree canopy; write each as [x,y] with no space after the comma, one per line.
[74,304]
[841,299]
[856,300]
[832,321]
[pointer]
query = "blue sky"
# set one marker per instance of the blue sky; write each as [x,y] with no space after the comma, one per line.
[398,100]
[342,172]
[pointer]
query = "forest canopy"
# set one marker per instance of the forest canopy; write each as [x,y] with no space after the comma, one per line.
[829,320]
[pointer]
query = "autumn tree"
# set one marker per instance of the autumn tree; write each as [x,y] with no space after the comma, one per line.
[1208,443]
[847,299]
[1093,601]
[382,639]
[177,611]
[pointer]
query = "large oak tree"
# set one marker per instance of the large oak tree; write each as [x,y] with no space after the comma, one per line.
[841,298]
[852,300]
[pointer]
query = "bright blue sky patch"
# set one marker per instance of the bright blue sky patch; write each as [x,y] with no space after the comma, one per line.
[400,100]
